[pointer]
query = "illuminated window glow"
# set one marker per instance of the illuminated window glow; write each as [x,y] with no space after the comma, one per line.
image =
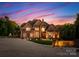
[37,29]
[42,29]
[28,29]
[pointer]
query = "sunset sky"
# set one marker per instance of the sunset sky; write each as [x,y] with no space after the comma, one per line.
[51,12]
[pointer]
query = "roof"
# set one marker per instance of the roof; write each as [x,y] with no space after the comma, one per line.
[23,25]
[26,25]
[32,22]
[37,24]
[51,28]
[40,23]
[44,24]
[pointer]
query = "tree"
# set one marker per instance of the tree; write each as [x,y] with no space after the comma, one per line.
[7,26]
[67,32]
[77,31]
[77,27]
[3,28]
[13,28]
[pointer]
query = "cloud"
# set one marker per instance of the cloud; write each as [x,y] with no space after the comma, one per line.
[23,18]
[44,15]
[21,11]
[66,16]
[58,21]
[46,10]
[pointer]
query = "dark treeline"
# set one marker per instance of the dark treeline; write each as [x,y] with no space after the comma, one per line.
[76,24]
[67,31]
[70,31]
[8,27]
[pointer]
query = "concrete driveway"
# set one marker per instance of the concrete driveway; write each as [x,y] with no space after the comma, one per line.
[15,47]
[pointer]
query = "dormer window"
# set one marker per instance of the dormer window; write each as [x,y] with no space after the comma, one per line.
[42,29]
[28,29]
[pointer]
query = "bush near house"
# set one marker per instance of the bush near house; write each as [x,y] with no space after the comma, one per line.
[45,42]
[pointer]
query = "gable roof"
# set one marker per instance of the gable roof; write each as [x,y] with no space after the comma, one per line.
[26,25]
[32,22]
[51,28]
[37,24]
[44,24]
[23,25]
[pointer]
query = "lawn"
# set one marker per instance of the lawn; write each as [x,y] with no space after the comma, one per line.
[45,42]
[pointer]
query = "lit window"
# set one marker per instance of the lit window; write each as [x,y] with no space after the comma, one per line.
[58,36]
[42,29]
[53,36]
[31,35]
[37,29]
[28,29]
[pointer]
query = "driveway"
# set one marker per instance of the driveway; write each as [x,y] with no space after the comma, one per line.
[15,47]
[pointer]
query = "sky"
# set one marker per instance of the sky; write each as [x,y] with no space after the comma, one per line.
[56,13]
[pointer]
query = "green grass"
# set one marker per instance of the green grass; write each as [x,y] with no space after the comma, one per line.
[45,42]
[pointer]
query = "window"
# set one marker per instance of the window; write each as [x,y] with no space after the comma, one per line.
[42,29]
[28,29]
[37,29]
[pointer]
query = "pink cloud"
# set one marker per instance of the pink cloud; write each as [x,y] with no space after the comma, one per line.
[55,21]
[44,15]
[20,11]
[46,10]
[61,21]
[28,16]
[36,12]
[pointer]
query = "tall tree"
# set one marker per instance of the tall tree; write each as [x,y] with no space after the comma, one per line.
[67,32]
[77,26]
[3,28]
[77,30]
[7,26]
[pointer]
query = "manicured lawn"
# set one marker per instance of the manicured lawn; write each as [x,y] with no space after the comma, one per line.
[45,42]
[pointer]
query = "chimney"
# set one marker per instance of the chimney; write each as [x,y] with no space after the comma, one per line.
[42,20]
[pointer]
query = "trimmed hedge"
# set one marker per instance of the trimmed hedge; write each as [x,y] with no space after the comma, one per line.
[45,42]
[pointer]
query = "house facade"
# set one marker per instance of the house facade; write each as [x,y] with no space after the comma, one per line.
[38,29]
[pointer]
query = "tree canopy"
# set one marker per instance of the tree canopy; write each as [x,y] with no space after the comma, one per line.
[67,31]
[7,26]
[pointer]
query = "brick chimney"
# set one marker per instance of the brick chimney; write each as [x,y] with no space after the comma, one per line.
[42,20]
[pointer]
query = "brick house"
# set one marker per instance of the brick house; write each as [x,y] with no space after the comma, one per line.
[38,29]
